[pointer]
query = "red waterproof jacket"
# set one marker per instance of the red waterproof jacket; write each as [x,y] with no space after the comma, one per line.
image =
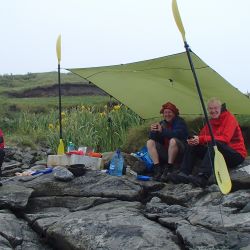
[225,129]
[2,143]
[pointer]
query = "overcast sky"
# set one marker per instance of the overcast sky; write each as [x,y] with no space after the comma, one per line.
[109,32]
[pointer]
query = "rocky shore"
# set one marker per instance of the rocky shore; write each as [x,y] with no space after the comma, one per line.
[79,208]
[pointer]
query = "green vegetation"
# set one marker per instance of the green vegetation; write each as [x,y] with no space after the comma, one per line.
[104,131]
[45,104]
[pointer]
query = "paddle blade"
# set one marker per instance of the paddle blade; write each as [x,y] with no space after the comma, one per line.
[221,172]
[60,149]
[58,48]
[177,19]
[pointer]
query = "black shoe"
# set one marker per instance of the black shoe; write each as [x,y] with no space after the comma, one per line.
[1,183]
[179,178]
[169,168]
[199,181]
[157,172]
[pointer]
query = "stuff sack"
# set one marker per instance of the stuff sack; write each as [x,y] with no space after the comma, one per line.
[145,157]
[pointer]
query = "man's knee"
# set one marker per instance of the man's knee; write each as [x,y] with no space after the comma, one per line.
[172,142]
[150,143]
[175,143]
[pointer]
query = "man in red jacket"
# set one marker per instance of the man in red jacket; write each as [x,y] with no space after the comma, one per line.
[2,154]
[229,140]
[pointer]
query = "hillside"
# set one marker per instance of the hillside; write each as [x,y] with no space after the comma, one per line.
[35,90]
[45,84]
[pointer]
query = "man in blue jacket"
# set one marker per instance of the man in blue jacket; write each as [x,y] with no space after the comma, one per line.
[166,142]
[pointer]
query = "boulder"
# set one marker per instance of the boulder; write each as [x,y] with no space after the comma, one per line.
[241,175]
[62,174]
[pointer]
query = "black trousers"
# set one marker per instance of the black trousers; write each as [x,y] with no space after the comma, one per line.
[2,154]
[206,154]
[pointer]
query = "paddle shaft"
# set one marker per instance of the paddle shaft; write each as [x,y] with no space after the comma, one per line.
[60,101]
[199,92]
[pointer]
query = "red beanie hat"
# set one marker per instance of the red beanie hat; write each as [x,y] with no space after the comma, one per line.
[170,106]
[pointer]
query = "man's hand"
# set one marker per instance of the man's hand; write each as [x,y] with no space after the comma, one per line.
[156,127]
[193,141]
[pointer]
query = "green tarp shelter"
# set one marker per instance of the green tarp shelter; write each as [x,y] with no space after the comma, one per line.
[144,86]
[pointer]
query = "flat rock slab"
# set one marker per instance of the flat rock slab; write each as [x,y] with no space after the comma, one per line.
[16,234]
[13,196]
[114,225]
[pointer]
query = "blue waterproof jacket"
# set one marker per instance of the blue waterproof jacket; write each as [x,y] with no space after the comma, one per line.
[178,130]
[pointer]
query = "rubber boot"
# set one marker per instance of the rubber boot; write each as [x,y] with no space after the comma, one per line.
[157,172]
[169,168]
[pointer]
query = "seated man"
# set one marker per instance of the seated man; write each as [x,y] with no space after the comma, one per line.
[2,154]
[229,141]
[166,141]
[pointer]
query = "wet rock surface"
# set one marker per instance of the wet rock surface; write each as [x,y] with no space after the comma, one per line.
[59,210]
